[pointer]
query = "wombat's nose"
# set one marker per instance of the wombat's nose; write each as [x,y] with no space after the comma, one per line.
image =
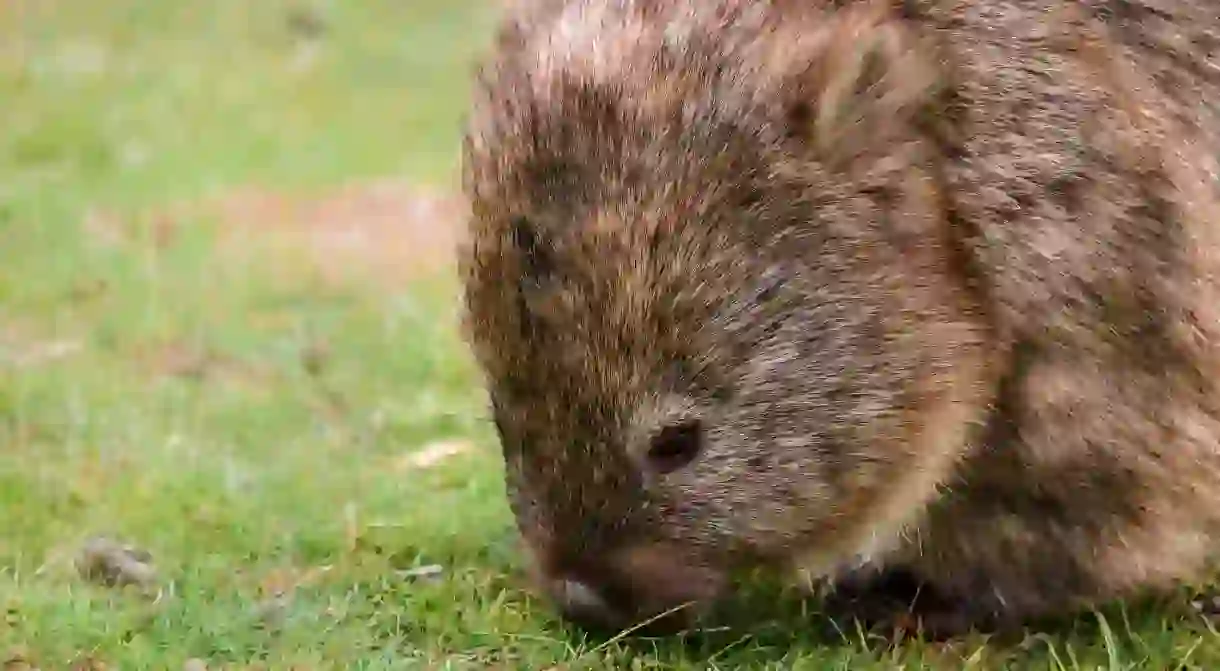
[584,606]
[590,608]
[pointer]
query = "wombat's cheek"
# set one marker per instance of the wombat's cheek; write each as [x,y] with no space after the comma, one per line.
[669,574]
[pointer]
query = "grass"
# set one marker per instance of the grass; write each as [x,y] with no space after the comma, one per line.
[249,420]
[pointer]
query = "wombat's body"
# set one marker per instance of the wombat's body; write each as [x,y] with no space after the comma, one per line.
[930,287]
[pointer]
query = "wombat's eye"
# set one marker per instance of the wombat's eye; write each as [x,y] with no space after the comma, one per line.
[527,239]
[675,446]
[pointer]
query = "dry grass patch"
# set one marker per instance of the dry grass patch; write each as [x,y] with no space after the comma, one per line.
[387,231]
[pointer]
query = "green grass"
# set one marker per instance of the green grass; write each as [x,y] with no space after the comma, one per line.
[255,468]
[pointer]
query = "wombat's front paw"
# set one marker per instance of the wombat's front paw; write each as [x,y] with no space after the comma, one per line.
[897,603]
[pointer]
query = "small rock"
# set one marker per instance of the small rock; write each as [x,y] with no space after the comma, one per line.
[429,571]
[195,664]
[271,613]
[114,564]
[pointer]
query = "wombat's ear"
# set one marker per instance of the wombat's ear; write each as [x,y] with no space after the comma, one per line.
[866,77]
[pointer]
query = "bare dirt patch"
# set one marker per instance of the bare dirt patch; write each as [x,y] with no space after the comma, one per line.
[180,360]
[387,230]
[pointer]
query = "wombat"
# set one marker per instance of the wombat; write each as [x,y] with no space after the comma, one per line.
[854,290]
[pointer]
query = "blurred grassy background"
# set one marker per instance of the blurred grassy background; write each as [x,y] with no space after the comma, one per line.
[227,336]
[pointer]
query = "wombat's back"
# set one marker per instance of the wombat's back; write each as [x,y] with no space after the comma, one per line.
[1089,134]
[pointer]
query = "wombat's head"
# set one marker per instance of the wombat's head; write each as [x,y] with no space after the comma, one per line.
[712,285]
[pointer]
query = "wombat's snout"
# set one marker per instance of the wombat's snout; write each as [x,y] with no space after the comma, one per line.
[648,590]
[586,606]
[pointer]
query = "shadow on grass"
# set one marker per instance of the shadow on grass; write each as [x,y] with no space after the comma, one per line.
[762,616]
[768,620]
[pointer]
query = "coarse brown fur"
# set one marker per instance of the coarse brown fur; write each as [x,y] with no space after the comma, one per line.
[850,288]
